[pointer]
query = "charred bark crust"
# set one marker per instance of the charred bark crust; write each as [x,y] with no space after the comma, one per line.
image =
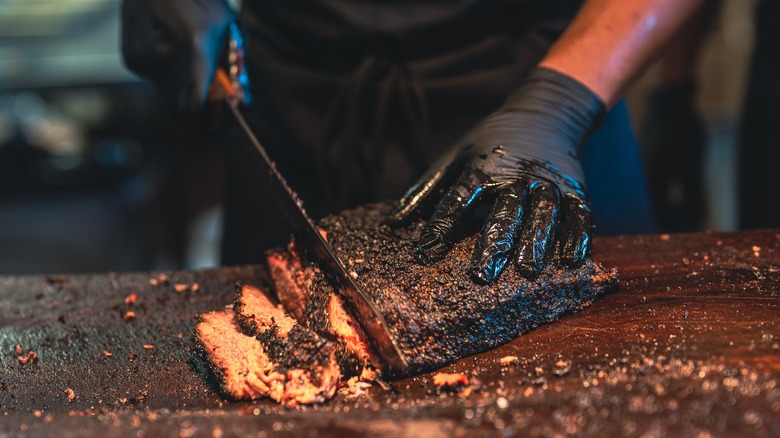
[436,313]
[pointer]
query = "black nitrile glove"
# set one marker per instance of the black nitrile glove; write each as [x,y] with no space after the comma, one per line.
[176,44]
[674,139]
[525,156]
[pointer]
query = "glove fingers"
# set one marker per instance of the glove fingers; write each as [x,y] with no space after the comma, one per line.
[436,237]
[576,231]
[423,191]
[537,230]
[498,234]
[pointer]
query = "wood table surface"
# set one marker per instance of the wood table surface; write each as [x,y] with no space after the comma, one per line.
[688,345]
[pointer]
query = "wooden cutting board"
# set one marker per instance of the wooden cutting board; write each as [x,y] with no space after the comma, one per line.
[689,344]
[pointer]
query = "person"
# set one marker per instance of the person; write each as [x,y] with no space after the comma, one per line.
[355,100]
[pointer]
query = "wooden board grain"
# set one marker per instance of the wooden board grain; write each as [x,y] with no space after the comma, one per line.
[688,345]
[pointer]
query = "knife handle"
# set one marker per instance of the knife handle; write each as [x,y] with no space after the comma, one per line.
[222,88]
[231,83]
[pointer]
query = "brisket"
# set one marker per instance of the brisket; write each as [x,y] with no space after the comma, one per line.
[322,311]
[292,278]
[239,361]
[436,313]
[258,351]
[298,352]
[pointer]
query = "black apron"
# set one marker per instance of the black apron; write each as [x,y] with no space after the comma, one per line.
[355,99]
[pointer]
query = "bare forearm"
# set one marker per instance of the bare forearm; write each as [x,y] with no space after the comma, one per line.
[611,41]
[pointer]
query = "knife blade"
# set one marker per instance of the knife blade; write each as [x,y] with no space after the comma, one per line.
[368,315]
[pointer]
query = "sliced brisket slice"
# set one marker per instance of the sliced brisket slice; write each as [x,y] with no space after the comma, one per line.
[322,310]
[288,344]
[256,313]
[292,278]
[279,358]
[239,361]
[436,313]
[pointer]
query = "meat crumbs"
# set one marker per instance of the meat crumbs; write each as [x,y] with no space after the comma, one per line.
[450,380]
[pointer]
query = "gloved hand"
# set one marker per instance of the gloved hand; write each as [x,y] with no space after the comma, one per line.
[176,44]
[674,140]
[525,156]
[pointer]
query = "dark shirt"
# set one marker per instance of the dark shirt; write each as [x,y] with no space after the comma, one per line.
[378,89]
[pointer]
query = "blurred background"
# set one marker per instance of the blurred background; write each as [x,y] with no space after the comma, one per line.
[93,174]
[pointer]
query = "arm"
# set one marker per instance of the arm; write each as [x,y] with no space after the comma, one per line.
[611,41]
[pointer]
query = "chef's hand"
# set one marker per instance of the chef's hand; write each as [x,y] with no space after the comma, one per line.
[176,44]
[524,156]
[674,139]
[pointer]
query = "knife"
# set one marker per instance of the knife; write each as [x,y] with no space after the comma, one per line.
[367,313]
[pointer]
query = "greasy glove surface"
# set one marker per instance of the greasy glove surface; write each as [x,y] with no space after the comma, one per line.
[175,44]
[524,157]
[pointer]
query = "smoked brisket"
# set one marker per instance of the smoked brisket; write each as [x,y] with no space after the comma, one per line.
[436,313]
